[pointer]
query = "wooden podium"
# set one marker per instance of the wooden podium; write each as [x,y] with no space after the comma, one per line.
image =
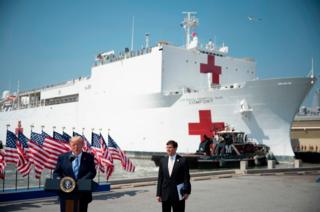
[69,191]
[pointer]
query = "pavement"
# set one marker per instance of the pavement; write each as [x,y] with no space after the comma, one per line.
[292,192]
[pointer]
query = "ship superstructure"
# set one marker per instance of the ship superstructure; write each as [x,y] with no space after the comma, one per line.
[149,96]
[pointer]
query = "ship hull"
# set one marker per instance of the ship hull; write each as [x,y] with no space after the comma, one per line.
[145,123]
[308,157]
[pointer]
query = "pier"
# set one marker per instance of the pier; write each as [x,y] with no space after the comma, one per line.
[305,133]
[283,189]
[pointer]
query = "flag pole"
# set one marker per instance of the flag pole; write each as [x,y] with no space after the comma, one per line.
[4,178]
[28,181]
[16,180]
[100,129]
[4,172]
[92,129]
[28,185]
[51,171]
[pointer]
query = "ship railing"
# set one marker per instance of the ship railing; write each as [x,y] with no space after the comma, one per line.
[211,52]
[121,56]
[65,83]
[14,106]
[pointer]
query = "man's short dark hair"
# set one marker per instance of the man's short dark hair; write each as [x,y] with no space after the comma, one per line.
[173,143]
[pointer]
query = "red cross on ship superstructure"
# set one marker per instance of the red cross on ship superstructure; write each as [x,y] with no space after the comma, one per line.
[206,126]
[211,68]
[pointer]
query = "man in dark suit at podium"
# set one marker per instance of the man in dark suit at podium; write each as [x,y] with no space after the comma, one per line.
[173,180]
[78,165]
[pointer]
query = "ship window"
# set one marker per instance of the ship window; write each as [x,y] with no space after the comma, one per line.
[62,99]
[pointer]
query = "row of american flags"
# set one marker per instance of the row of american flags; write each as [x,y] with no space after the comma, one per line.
[41,151]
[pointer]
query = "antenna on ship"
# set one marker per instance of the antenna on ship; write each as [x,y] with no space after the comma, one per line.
[18,90]
[132,33]
[312,71]
[147,40]
[189,22]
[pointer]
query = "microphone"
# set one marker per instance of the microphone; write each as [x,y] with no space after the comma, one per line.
[72,157]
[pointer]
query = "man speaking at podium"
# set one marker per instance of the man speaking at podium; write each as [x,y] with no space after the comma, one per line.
[77,165]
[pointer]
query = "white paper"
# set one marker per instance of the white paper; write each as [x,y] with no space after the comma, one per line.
[179,187]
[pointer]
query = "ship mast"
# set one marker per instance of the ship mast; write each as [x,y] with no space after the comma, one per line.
[189,22]
[132,33]
[312,71]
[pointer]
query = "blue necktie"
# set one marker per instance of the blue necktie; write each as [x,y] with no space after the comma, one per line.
[76,167]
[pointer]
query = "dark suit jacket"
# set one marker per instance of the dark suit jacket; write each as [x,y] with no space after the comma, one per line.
[167,185]
[86,171]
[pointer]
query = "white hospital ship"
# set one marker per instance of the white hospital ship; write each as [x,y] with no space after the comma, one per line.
[146,97]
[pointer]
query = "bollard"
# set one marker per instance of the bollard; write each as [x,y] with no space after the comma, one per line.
[297,163]
[271,164]
[221,163]
[243,165]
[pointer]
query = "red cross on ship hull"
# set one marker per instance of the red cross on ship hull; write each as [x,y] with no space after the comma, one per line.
[205,126]
[211,68]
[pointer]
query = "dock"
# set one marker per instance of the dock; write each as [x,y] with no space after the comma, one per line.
[305,133]
[288,189]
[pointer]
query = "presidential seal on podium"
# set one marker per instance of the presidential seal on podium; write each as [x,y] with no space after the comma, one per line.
[67,184]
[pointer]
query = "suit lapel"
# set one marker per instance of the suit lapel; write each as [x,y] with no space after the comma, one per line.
[175,165]
[69,165]
[165,166]
[82,162]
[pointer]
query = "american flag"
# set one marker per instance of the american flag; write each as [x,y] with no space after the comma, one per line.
[54,148]
[2,164]
[60,137]
[106,160]
[24,164]
[118,154]
[87,145]
[40,157]
[66,136]
[96,148]
[11,154]
[102,158]
[24,141]
[45,134]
